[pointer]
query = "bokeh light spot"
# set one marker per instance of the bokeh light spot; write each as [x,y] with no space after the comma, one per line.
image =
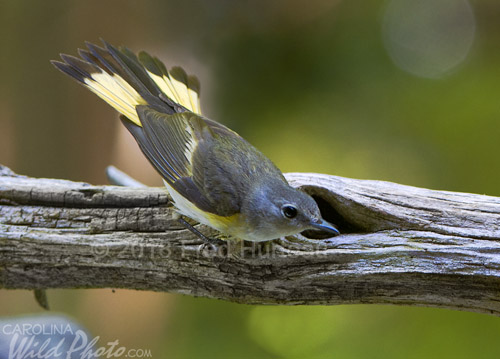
[428,38]
[294,331]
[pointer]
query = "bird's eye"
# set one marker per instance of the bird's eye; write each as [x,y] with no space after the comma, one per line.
[289,211]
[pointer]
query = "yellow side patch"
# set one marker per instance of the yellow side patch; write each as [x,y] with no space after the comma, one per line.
[224,224]
[227,225]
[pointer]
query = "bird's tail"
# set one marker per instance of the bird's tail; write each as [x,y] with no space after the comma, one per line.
[126,81]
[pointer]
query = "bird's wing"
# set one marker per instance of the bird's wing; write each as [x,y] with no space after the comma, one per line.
[173,144]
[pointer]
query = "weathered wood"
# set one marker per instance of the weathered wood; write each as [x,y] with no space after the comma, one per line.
[400,245]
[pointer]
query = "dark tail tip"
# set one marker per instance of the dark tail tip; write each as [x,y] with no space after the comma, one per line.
[68,70]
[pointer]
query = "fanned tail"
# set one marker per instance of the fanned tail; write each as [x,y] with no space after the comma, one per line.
[126,81]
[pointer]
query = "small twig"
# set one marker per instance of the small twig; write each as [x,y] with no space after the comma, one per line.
[119,178]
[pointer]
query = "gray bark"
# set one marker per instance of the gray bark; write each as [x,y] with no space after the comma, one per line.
[399,245]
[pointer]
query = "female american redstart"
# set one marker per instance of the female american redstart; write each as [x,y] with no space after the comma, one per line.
[213,175]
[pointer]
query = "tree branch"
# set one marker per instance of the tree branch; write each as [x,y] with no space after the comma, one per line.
[400,245]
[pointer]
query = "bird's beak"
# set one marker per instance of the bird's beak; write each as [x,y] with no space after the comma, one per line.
[324,226]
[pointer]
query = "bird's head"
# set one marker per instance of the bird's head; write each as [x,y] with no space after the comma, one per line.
[276,209]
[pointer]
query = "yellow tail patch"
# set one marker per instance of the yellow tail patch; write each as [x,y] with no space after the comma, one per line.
[116,92]
[124,98]
[177,91]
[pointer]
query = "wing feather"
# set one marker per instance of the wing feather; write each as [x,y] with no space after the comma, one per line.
[155,158]
[169,142]
[172,137]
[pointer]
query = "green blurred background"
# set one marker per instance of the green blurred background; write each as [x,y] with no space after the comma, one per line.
[367,89]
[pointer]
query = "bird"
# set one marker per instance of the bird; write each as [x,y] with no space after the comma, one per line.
[213,175]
